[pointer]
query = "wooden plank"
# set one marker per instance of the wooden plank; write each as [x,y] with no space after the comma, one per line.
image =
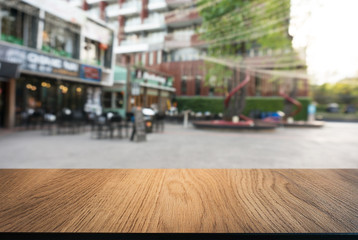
[178,200]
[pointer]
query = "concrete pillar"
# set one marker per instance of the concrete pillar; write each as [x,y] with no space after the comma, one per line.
[85,5]
[186,118]
[160,98]
[125,61]
[145,96]
[121,35]
[11,104]
[40,30]
[121,22]
[144,12]
[120,2]
[102,7]
[155,61]
[146,59]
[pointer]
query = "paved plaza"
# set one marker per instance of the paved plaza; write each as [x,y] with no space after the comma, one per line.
[334,146]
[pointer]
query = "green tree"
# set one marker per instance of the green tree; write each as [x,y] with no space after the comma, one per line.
[343,92]
[232,28]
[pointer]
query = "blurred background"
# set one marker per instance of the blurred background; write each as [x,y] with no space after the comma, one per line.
[178,84]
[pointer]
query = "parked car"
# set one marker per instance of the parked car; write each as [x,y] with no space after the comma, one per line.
[350,109]
[332,108]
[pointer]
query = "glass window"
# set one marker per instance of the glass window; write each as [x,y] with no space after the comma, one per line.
[92,52]
[97,53]
[211,91]
[197,86]
[159,57]
[166,57]
[144,59]
[107,54]
[183,86]
[19,26]
[60,38]
[258,86]
[151,58]
[107,99]
[119,100]
[11,25]
[78,97]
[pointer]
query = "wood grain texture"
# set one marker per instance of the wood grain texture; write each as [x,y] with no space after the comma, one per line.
[178,200]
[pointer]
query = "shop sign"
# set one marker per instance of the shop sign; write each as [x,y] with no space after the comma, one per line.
[90,73]
[38,62]
[153,77]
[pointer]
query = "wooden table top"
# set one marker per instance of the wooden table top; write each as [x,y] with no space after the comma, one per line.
[178,200]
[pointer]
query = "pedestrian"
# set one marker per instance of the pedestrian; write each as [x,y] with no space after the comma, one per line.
[133,124]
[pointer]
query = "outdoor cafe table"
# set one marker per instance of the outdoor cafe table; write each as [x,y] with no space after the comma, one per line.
[178,201]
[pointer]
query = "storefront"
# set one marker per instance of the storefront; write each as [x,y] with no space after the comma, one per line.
[47,84]
[50,95]
[148,88]
[152,96]
[114,98]
[151,89]
[63,57]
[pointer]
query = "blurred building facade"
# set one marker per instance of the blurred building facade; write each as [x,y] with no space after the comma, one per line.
[157,34]
[164,35]
[147,88]
[59,58]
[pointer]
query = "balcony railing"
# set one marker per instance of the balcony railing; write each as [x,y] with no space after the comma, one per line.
[140,44]
[76,3]
[173,41]
[179,2]
[273,58]
[157,5]
[94,12]
[149,40]
[127,8]
[151,23]
[196,41]
[182,18]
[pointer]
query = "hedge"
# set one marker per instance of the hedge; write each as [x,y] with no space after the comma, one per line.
[216,105]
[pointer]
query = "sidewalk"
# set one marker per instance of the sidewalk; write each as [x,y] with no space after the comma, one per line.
[4,131]
[333,146]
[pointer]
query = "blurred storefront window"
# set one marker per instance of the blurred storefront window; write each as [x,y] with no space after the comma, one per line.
[19,24]
[60,38]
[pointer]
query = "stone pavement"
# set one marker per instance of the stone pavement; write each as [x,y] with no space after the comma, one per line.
[334,146]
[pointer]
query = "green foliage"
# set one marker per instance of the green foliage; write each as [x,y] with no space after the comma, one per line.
[271,104]
[344,92]
[234,27]
[216,105]
[201,104]
[216,76]
[229,23]
[303,115]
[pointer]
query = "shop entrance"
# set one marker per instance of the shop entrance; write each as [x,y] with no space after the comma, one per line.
[2,103]
[42,95]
